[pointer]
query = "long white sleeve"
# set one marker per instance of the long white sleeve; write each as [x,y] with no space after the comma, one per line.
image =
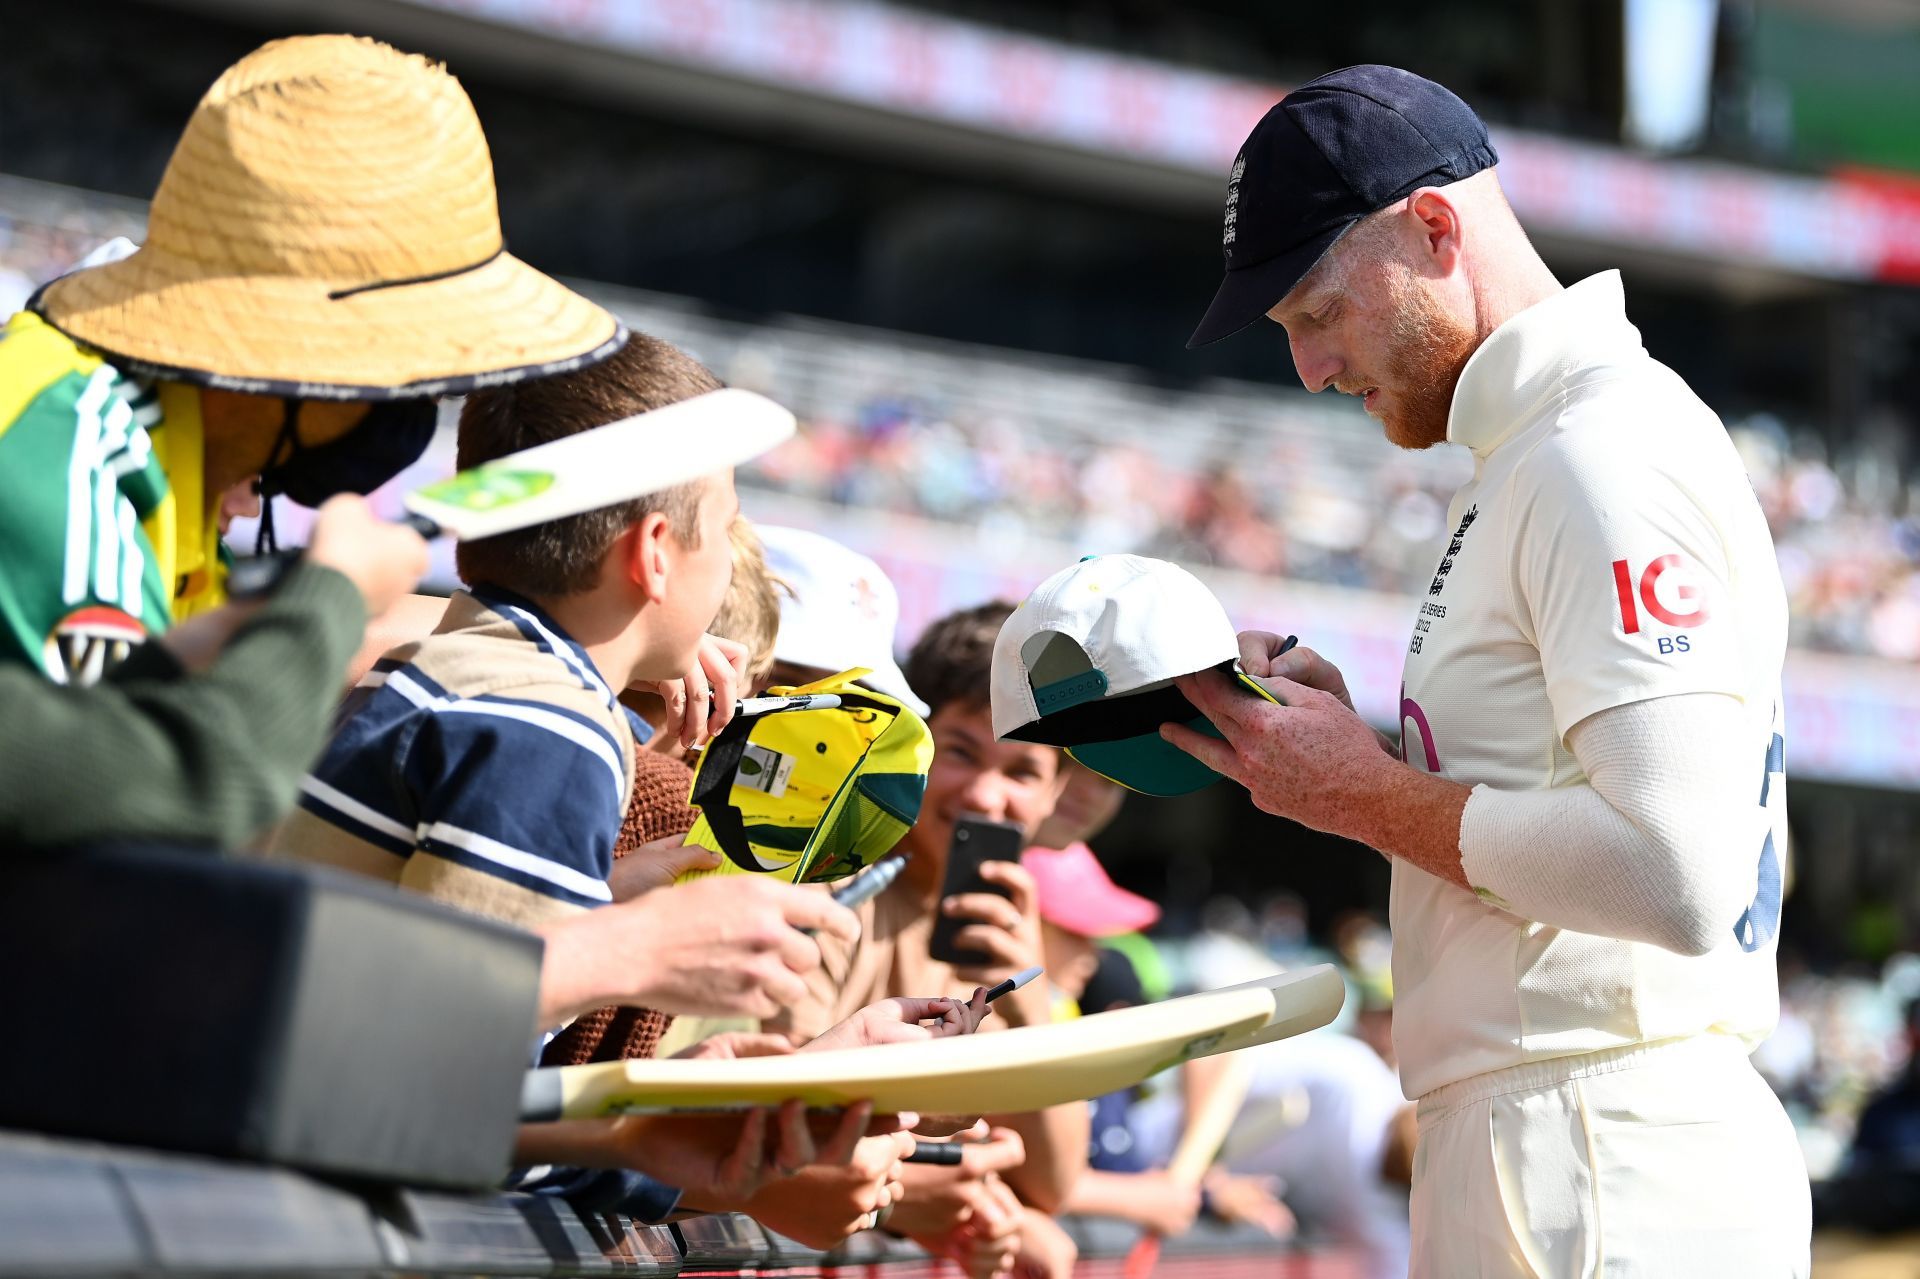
[1657,846]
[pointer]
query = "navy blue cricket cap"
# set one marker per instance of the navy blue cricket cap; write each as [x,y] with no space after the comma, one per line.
[1327,155]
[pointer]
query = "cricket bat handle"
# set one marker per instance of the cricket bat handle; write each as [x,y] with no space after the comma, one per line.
[1206,1130]
[257,575]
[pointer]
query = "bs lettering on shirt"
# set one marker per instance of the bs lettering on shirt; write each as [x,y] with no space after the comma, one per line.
[1608,549]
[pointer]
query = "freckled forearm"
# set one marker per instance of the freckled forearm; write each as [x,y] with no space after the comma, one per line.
[1408,814]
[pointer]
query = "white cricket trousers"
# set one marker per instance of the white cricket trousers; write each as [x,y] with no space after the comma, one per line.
[1671,1159]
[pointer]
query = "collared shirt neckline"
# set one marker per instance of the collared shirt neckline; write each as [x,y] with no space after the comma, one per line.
[1526,359]
[540,628]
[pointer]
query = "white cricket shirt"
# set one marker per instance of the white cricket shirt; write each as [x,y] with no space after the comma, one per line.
[1609,548]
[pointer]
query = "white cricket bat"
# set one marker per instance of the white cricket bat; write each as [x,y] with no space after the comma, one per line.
[610,464]
[1012,1072]
[1303,999]
[605,466]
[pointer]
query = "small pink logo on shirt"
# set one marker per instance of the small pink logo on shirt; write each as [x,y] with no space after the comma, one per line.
[1410,710]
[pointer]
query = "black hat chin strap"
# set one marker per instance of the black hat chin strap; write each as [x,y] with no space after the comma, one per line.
[720,763]
[712,789]
[286,447]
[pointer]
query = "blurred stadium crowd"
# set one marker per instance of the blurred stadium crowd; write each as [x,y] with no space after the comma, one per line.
[1843,1038]
[1230,476]
[1845,526]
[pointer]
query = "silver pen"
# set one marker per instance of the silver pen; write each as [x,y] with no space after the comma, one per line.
[749,707]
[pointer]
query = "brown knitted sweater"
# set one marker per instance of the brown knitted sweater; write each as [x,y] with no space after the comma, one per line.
[657,810]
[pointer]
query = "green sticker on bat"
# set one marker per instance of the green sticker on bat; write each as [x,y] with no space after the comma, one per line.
[488,488]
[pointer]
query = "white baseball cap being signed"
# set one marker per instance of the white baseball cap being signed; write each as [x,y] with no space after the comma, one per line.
[1087,662]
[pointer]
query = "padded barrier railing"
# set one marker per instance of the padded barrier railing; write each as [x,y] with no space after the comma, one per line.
[83,1209]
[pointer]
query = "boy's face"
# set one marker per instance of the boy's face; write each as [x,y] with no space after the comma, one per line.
[701,574]
[1014,782]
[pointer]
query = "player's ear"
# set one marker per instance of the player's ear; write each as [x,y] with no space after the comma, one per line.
[1438,218]
[645,553]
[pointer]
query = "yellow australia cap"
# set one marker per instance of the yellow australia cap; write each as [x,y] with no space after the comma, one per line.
[812,795]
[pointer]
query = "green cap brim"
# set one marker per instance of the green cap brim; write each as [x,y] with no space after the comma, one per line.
[1151,764]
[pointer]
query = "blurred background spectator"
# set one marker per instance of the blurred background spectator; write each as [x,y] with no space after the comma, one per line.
[1237,477]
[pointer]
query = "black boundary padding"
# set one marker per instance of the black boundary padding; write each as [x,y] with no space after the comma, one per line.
[721,760]
[288,1014]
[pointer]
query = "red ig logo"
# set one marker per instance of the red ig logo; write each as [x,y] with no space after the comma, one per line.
[1683,592]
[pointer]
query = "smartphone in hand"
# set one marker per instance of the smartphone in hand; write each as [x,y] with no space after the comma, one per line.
[976,840]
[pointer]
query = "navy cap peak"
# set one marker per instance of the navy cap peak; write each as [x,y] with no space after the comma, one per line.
[1331,152]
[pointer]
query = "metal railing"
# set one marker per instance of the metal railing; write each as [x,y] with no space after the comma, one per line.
[85,1209]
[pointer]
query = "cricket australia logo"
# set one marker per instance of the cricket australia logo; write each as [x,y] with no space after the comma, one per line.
[1453,549]
[1233,200]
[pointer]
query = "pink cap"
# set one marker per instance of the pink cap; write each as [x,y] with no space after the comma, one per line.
[1077,895]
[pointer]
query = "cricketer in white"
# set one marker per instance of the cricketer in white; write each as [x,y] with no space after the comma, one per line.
[1586,806]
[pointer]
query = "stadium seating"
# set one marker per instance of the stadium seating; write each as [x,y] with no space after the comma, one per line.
[1225,474]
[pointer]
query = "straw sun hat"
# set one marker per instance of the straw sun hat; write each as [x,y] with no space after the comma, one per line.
[327,228]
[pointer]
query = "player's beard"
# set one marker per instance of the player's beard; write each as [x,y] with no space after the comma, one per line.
[1427,348]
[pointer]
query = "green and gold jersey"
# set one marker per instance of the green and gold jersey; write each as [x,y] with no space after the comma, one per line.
[79,580]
